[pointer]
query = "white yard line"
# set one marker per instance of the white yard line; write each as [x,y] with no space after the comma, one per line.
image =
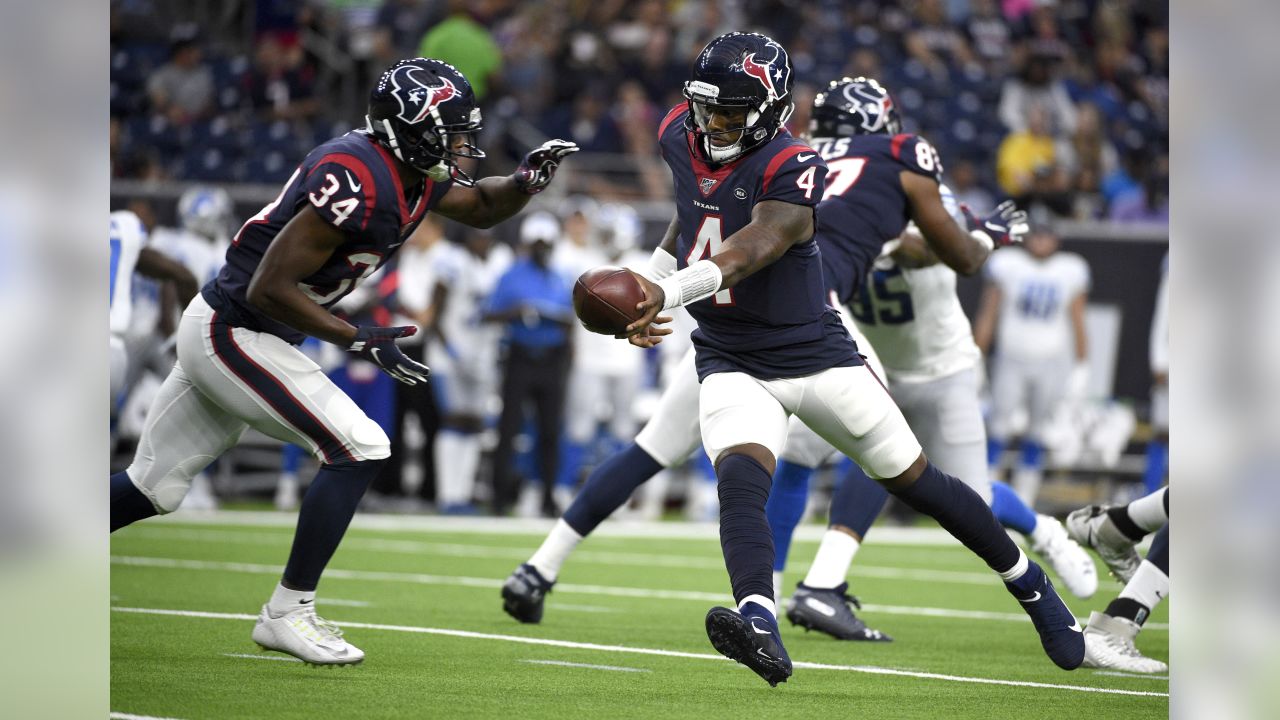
[347,603]
[606,590]
[247,656]
[675,530]
[130,716]
[582,608]
[600,557]
[869,669]
[561,663]
[1136,676]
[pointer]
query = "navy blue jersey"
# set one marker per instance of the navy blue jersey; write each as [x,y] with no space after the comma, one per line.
[775,323]
[351,182]
[864,205]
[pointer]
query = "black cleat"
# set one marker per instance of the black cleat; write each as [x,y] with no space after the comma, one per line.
[750,639]
[523,594]
[828,610]
[1060,633]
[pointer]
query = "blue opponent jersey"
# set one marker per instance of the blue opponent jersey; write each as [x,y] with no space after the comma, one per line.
[352,183]
[775,323]
[864,205]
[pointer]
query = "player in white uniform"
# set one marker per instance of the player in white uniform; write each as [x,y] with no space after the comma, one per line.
[1158,449]
[606,374]
[1036,296]
[464,360]
[128,236]
[931,363]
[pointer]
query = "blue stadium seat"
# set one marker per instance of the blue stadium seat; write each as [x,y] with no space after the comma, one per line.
[208,164]
[271,166]
[216,133]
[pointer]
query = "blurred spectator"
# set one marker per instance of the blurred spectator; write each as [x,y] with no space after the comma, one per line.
[587,122]
[1149,201]
[989,35]
[963,181]
[1027,158]
[182,89]
[532,301]
[465,44]
[399,28]
[934,41]
[279,86]
[1035,86]
[1087,157]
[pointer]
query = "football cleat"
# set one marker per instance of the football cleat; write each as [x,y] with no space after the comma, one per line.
[1091,526]
[828,610]
[524,592]
[1109,644]
[306,636]
[1060,632]
[1067,558]
[751,639]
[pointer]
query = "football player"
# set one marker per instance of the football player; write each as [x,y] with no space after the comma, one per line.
[1037,297]
[768,346]
[342,213]
[908,310]
[1113,532]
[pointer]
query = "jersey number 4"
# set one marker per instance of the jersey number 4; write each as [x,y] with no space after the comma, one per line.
[705,244]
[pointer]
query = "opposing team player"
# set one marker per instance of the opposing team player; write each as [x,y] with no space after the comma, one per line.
[1113,532]
[909,313]
[346,209]
[1033,306]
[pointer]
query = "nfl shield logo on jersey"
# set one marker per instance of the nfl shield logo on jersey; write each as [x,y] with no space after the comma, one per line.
[706,184]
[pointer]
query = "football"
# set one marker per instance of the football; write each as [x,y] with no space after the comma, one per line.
[605,299]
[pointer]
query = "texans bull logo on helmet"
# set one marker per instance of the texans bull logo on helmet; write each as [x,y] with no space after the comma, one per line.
[417,99]
[765,71]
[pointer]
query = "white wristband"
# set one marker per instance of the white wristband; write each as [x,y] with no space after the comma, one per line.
[699,281]
[661,264]
[983,239]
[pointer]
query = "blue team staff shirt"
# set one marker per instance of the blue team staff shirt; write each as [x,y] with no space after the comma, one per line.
[544,289]
[351,183]
[775,323]
[864,204]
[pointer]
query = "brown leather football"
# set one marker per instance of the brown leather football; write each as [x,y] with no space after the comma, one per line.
[605,299]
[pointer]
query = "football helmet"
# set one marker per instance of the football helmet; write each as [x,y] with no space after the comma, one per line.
[743,73]
[418,109]
[205,211]
[854,106]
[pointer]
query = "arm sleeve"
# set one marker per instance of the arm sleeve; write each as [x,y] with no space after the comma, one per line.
[341,190]
[797,175]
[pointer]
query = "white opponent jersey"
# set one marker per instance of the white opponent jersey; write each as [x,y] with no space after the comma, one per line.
[128,236]
[1035,319]
[203,257]
[593,352]
[470,280]
[913,318]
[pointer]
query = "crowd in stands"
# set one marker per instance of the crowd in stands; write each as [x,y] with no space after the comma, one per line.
[1061,104]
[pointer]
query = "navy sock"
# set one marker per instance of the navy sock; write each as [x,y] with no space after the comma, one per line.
[128,504]
[857,501]
[1129,609]
[786,506]
[1010,510]
[961,512]
[744,530]
[1125,524]
[1158,555]
[609,486]
[1157,465]
[323,518]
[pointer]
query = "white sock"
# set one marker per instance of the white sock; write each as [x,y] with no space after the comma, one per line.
[831,564]
[1044,527]
[1149,586]
[1148,512]
[559,543]
[284,600]
[1019,568]
[762,601]
[777,587]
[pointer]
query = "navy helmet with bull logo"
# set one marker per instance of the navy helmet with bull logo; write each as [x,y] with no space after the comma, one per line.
[739,71]
[420,109]
[854,106]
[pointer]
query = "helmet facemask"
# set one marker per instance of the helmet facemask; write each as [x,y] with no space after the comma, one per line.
[759,125]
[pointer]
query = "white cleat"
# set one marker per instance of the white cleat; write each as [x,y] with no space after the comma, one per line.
[306,636]
[1108,643]
[1091,526]
[1066,557]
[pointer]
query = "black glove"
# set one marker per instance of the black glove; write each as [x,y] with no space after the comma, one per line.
[378,346]
[539,166]
[1005,225]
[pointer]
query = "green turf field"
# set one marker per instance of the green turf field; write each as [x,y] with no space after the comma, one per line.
[622,638]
